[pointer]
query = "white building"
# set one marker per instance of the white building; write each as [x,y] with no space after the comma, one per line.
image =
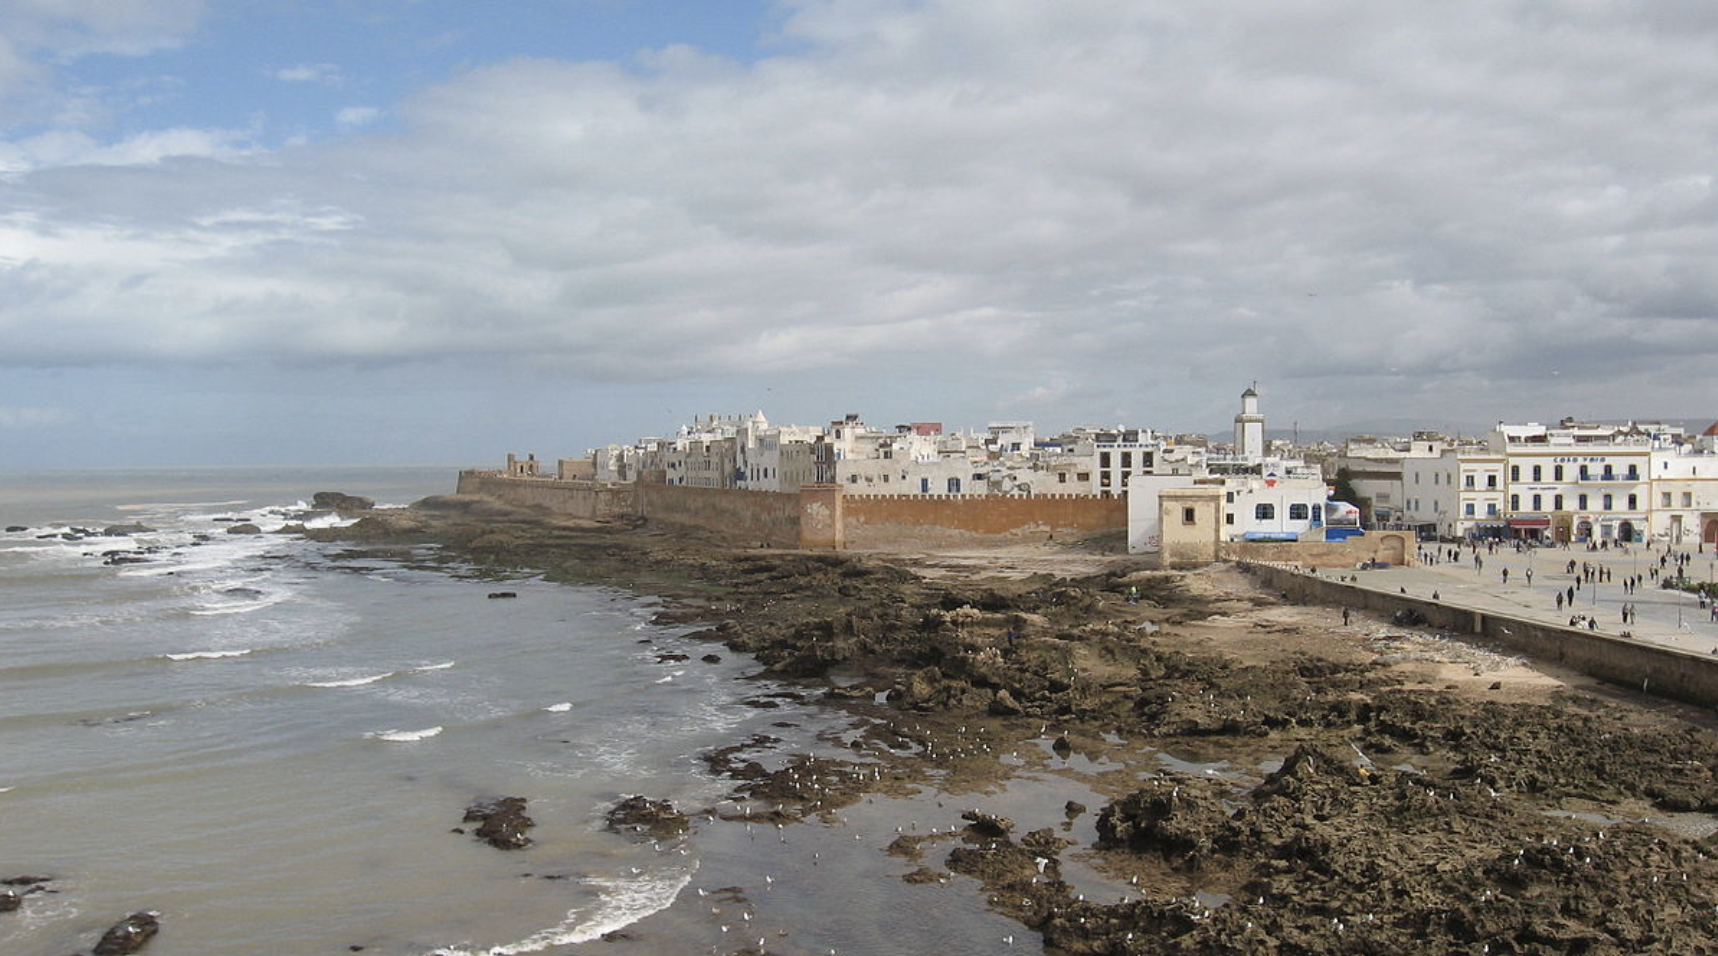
[1577,482]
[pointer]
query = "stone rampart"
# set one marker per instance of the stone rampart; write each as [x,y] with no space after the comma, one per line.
[739,517]
[595,500]
[879,521]
[1652,668]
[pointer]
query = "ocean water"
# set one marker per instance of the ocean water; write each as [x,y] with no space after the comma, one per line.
[271,741]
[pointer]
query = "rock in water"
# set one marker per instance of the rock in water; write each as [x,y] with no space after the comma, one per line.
[340,503]
[128,935]
[636,814]
[503,823]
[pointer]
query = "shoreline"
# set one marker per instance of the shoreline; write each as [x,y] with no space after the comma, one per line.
[1272,781]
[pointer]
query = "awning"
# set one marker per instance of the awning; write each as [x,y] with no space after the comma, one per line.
[1530,522]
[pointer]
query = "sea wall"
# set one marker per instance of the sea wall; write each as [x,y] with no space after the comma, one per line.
[1653,668]
[1384,547]
[884,521]
[819,517]
[595,500]
[739,517]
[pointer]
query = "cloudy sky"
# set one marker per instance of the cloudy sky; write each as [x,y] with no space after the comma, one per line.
[332,231]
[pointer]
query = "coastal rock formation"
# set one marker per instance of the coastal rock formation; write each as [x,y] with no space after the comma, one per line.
[502,822]
[128,935]
[1268,782]
[655,818]
[340,503]
[244,527]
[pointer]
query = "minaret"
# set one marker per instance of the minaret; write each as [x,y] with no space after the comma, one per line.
[1250,426]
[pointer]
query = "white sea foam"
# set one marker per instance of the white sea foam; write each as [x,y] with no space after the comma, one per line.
[350,682]
[405,736]
[559,708]
[238,607]
[205,655]
[620,904]
[436,667]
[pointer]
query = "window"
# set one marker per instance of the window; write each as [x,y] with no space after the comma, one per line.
[1607,505]
[1491,509]
[1581,501]
[1083,476]
[1189,516]
[1491,482]
[1061,477]
[1297,512]
[1538,502]
[1609,475]
[1229,518]
[1467,481]
[1514,502]
[1264,512]
[1583,473]
[1688,499]
[1664,500]
[1103,459]
[1514,472]
[1538,473]
[1556,472]
[1634,472]
[1557,503]
[954,486]
[924,486]
[1634,502]
[1229,497]
[1318,512]
[1468,511]
[1127,459]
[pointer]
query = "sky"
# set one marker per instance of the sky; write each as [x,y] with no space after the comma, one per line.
[427,231]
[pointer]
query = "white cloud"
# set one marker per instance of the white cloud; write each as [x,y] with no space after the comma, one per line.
[24,416]
[353,116]
[1152,202]
[324,73]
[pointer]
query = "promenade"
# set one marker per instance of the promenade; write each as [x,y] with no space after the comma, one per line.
[1668,617]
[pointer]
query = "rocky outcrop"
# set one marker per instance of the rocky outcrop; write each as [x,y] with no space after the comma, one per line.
[502,822]
[244,528]
[341,503]
[656,819]
[128,935]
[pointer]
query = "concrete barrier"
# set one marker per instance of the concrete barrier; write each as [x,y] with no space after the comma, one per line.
[1652,668]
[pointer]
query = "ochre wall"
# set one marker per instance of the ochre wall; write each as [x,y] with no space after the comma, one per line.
[1373,545]
[1653,668]
[595,500]
[880,520]
[744,518]
[821,517]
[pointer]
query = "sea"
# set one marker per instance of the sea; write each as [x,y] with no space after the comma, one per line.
[271,743]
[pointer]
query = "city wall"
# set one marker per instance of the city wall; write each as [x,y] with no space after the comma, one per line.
[739,517]
[883,521]
[816,517]
[1653,668]
[595,500]
[1384,547]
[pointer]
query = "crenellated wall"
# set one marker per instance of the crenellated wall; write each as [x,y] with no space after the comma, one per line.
[818,517]
[876,521]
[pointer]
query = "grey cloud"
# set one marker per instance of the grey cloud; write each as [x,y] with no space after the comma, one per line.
[1166,199]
